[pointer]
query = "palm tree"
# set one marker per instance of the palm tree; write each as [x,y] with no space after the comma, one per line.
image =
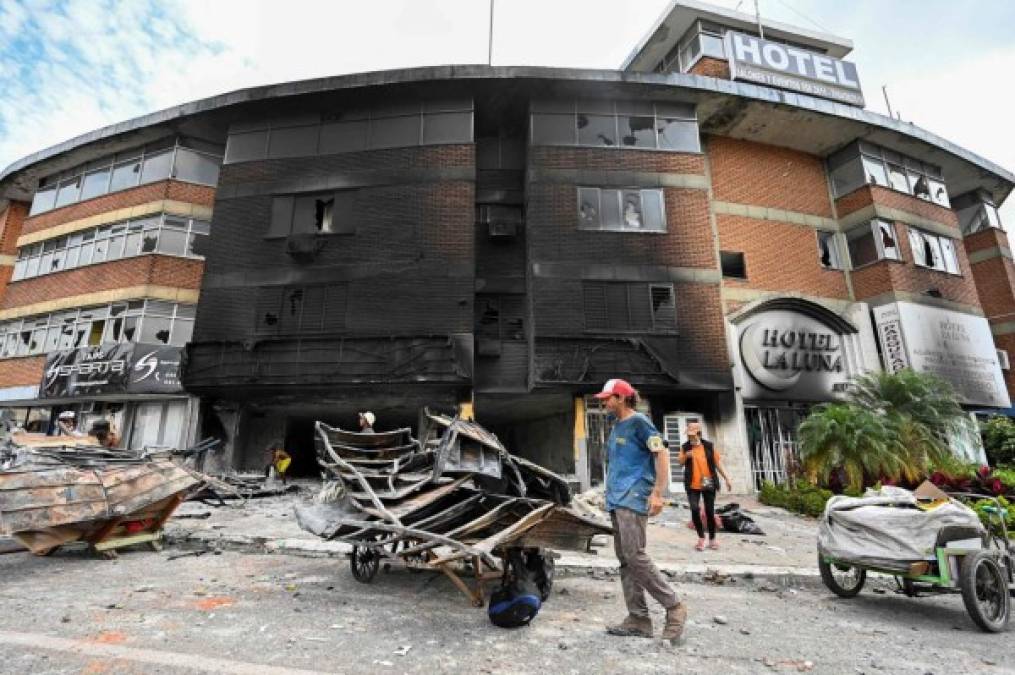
[921,409]
[852,438]
[892,426]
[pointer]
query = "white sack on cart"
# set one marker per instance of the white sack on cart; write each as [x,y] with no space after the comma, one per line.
[886,529]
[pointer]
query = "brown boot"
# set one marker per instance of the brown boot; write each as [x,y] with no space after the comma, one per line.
[632,626]
[676,617]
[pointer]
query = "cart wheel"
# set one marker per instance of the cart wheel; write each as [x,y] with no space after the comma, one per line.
[909,588]
[985,591]
[843,580]
[365,563]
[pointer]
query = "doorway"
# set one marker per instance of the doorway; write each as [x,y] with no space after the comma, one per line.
[675,432]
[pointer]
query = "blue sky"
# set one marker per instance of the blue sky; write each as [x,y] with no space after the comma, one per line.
[69,66]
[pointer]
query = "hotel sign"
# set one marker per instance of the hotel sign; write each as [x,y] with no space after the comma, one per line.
[791,356]
[954,346]
[782,66]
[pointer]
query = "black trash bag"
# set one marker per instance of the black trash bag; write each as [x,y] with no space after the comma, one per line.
[734,520]
[519,597]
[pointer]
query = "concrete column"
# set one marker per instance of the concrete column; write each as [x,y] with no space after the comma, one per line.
[731,439]
[581,446]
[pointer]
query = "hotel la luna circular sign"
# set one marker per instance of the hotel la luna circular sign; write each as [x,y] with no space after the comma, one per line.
[791,356]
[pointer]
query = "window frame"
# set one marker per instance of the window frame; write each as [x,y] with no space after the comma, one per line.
[631,291]
[108,232]
[617,109]
[936,241]
[109,164]
[620,199]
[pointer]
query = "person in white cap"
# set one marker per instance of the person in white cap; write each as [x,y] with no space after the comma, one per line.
[66,423]
[366,422]
[638,474]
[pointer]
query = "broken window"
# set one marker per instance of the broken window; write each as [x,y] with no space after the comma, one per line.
[864,163]
[733,265]
[300,310]
[933,251]
[620,124]
[871,242]
[612,307]
[828,251]
[664,307]
[621,210]
[327,213]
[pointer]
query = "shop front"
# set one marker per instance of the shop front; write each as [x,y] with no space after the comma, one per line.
[791,354]
[135,387]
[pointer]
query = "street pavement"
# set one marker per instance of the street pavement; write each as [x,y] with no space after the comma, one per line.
[785,554]
[237,612]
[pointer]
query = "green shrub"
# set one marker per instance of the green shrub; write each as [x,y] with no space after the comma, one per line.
[989,520]
[799,497]
[999,440]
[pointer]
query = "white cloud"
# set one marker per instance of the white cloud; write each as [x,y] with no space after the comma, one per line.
[70,66]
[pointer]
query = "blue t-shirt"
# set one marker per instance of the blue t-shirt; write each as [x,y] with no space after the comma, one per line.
[631,469]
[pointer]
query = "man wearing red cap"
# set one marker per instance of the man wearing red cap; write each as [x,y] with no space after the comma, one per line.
[637,477]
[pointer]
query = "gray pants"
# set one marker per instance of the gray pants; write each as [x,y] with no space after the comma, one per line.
[637,571]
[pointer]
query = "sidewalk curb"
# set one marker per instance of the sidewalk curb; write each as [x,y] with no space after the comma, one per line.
[567,565]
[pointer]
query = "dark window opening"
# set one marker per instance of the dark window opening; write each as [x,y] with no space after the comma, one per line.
[331,213]
[733,264]
[628,307]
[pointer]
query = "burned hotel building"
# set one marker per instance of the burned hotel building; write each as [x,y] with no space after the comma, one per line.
[720,221]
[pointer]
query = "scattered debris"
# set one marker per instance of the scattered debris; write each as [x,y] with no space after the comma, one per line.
[403,650]
[187,554]
[53,493]
[457,500]
[721,620]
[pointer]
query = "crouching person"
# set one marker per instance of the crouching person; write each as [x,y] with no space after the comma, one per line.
[638,475]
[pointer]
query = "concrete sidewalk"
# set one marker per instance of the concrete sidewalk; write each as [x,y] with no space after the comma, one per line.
[784,556]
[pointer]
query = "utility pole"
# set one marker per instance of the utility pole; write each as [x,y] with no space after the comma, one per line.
[757,15]
[489,54]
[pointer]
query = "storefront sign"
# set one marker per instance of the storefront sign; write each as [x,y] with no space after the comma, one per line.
[127,368]
[778,65]
[791,356]
[955,346]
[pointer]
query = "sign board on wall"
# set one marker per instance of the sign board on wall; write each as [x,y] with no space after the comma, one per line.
[955,346]
[112,368]
[786,67]
[791,356]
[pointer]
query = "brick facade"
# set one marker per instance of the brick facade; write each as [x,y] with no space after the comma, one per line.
[779,257]
[11,221]
[745,172]
[710,67]
[167,189]
[156,270]
[875,194]
[20,372]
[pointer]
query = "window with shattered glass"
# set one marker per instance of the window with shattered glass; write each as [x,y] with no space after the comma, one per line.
[828,251]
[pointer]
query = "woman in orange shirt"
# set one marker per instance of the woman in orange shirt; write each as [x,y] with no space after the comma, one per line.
[702,463]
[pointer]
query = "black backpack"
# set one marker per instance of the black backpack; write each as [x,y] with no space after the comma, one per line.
[528,577]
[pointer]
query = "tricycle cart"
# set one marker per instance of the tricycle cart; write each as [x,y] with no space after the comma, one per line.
[966,559]
[456,502]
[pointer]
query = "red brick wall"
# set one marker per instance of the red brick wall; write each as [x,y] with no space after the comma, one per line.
[147,269]
[764,175]
[994,284]
[11,221]
[779,257]
[23,371]
[710,67]
[884,276]
[546,157]
[871,194]
[555,236]
[167,189]
[985,239]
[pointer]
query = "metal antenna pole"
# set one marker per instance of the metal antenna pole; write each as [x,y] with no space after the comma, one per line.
[884,90]
[489,55]
[757,14]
